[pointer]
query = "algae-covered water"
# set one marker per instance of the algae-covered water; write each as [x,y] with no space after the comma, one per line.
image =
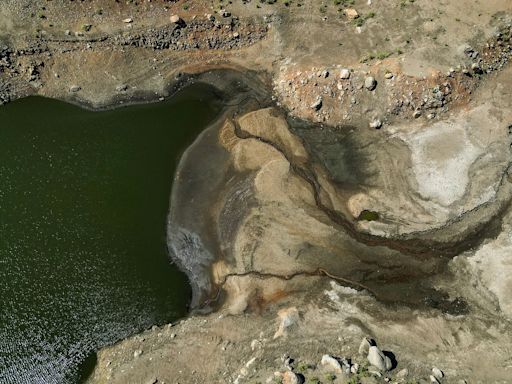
[83,204]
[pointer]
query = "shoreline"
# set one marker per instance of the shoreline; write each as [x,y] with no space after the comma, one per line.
[399,181]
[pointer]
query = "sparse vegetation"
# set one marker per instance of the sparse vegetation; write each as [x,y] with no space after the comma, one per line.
[359,22]
[303,367]
[367,215]
[404,3]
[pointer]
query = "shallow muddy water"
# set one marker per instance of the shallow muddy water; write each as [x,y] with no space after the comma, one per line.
[83,203]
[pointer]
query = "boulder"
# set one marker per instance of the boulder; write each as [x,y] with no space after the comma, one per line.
[331,364]
[351,13]
[175,19]
[376,123]
[128,20]
[365,345]
[345,73]
[438,374]
[377,359]
[317,104]
[370,83]
[290,377]
[75,88]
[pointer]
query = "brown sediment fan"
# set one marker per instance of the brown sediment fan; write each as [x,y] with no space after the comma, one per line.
[408,245]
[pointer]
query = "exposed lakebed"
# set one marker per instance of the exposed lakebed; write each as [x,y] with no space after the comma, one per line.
[83,203]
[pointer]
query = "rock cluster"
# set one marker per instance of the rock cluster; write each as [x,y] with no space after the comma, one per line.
[5,57]
[375,366]
[349,95]
[230,33]
[498,51]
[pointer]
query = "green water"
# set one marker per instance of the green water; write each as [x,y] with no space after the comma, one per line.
[83,204]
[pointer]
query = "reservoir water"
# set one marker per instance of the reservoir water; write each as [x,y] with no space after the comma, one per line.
[83,203]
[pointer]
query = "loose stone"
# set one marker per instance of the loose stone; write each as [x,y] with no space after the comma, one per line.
[317,104]
[345,73]
[376,123]
[331,363]
[370,83]
[175,19]
[438,374]
[378,359]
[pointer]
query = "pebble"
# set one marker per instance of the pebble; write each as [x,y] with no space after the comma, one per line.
[389,75]
[75,88]
[137,353]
